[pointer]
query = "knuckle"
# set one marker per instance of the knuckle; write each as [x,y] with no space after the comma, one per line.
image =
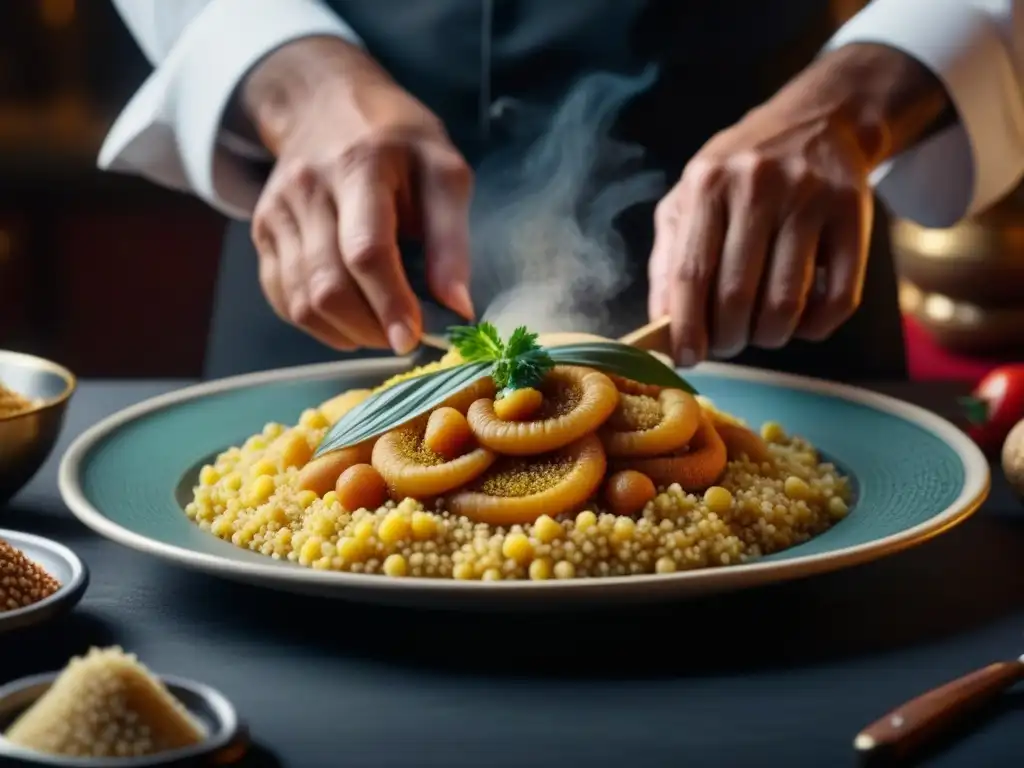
[258,232]
[784,304]
[453,171]
[736,293]
[300,179]
[807,185]
[325,289]
[370,153]
[300,312]
[363,254]
[693,271]
[706,175]
[665,212]
[261,229]
[762,174]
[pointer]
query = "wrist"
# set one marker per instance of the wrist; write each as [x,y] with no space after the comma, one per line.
[886,100]
[278,92]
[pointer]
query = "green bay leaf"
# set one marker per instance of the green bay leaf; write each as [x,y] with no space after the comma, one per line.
[398,404]
[620,360]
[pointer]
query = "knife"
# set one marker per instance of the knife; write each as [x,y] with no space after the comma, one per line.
[913,726]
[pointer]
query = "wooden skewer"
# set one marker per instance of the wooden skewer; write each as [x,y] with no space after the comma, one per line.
[653,337]
[437,342]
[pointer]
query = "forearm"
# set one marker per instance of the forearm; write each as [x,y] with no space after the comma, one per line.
[972,154]
[886,99]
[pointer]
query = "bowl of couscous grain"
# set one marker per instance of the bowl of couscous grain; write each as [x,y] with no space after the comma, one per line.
[370,481]
[34,394]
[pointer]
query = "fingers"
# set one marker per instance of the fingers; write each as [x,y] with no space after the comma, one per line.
[659,268]
[693,253]
[744,254]
[365,198]
[445,189]
[843,253]
[281,273]
[788,282]
[332,292]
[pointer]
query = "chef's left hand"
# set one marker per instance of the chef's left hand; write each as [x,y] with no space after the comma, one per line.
[757,211]
[781,196]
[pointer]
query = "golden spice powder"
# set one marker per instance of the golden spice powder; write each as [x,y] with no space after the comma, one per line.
[12,403]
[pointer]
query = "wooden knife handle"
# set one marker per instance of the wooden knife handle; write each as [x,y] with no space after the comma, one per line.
[917,722]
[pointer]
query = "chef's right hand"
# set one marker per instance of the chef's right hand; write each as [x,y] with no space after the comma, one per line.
[359,160]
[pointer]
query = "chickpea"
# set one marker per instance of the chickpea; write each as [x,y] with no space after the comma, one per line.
[517,546]
[772,432]
[395,565]
[628,492]
[519,404]
[294,449]
[447,433]
[321,475]
[361,487]
[797,488]
[718,499]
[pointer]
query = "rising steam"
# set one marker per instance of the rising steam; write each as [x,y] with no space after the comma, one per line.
[545,250]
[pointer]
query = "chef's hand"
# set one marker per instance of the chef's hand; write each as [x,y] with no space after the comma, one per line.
[783,194]
[359,160]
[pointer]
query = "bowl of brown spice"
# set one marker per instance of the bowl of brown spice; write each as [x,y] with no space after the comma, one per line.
[40,580]
[34,394]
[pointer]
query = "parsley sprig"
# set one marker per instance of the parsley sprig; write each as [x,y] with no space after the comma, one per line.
[517,363]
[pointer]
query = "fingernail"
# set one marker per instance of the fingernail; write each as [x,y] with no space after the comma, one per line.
[461,301]
[402,338]
[687,358]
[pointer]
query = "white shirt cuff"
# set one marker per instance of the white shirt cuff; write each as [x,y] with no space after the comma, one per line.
[171,130]
[969,166]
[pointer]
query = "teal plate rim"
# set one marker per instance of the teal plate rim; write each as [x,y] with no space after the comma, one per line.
[972,493]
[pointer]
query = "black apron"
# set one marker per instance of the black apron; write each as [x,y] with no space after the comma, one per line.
[658,75]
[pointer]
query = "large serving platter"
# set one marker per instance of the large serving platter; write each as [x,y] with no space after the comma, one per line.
[915,475]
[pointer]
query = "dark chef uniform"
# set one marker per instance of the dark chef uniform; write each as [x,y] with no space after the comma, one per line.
[495,71]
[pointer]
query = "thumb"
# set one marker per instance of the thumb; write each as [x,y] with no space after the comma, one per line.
[445,188]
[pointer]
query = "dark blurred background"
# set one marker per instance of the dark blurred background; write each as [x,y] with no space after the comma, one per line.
[81,252]
[113,276]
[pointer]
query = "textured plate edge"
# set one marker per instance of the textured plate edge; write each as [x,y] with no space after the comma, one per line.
[977,484]
[60,602]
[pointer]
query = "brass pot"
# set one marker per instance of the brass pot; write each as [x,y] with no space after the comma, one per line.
[962,326]
[979,260]
[966,283]
[27,438]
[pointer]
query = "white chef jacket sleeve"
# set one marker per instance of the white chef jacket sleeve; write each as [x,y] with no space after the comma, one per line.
[976,48]
[171,131]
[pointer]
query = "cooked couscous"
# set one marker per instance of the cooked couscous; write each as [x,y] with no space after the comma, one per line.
[106,704]
[476,490]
